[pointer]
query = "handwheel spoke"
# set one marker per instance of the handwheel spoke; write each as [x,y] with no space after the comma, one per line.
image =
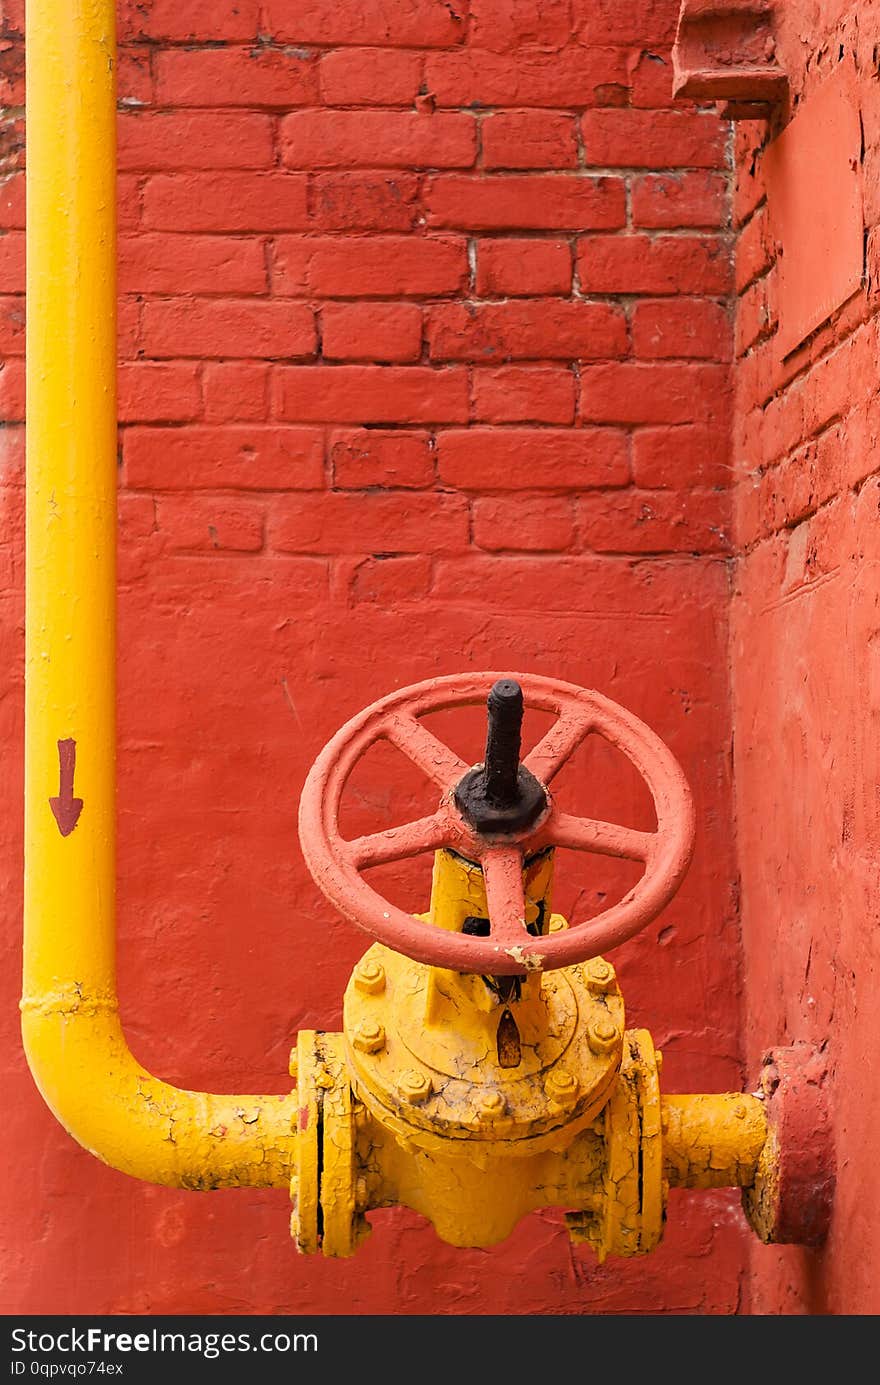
[400,843]
[420,745]
[560,742]
[505,896]
[603,838]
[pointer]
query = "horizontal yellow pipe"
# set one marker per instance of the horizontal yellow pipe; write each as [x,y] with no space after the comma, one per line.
[712,1141]
[72,1035]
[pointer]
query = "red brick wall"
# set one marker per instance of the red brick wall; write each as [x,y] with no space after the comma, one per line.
[424,351]
[806,636]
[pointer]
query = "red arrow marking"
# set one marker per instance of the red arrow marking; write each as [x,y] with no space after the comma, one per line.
[65,807]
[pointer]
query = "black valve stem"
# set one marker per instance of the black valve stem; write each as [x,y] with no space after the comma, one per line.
[500,796]
[503,741]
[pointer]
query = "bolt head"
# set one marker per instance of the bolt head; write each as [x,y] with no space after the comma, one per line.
[562,1087]
[293,1063]
[369,1036]
[490,1107]
[603,1035]
[369,977]
[414,1085]
[600,976]
[557,924]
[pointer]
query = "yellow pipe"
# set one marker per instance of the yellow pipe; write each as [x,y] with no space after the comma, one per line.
[72,1033]
[712,1140]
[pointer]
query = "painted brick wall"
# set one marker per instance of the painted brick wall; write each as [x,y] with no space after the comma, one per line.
[806,666]
[424,365]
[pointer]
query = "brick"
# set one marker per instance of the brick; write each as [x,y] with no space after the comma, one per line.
[754,317]
[371,394]
[529,523]
[12,325]
[392,23]
[12,93]
[516,267]
[371,332]
[128,327]
[166,140]
[228,327]
[128,202]
[236,391]
[378,139]
[381,266]
[681,457]
[684,327]
[206,524]
[638,21]
[12,457]
[574,76]
[523,394]
[653,139]
[155,262]
[536,585]
[370,77]
[12,262]
[524,202]
[664,201]
[651,80]
[12,391]
[405,522]
[662,521]
[151,393]
[200,21]
[12,202]
[364,457]
[749,186]
[549,329]
[135,76]
[226,202]
[12,131]
[531,458]
[755,250]
[656,265]
[506,25]
[243,457]
[529,139]
[255,76]
[386,582]
[362,202]
[632,392]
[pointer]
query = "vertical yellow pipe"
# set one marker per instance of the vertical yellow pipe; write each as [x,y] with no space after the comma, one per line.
[71,1029]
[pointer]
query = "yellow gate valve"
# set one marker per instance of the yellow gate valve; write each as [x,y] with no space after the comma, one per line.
[485,1070]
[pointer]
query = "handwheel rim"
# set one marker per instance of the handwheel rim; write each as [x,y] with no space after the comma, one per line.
[335,870]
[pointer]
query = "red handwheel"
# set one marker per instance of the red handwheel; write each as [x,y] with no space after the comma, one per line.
[498,814]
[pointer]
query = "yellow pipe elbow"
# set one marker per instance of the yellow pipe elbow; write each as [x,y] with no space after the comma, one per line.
[72,1034]
[140,1125]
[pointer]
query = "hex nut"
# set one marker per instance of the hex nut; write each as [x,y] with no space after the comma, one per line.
[369,1036]
[603,1035]
[414,1085]
[491,1106]
[369,977]
[562,1088]
[599,976]
[557,924]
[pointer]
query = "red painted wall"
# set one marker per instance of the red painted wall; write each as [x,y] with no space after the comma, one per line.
[806,666]
[424,352]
